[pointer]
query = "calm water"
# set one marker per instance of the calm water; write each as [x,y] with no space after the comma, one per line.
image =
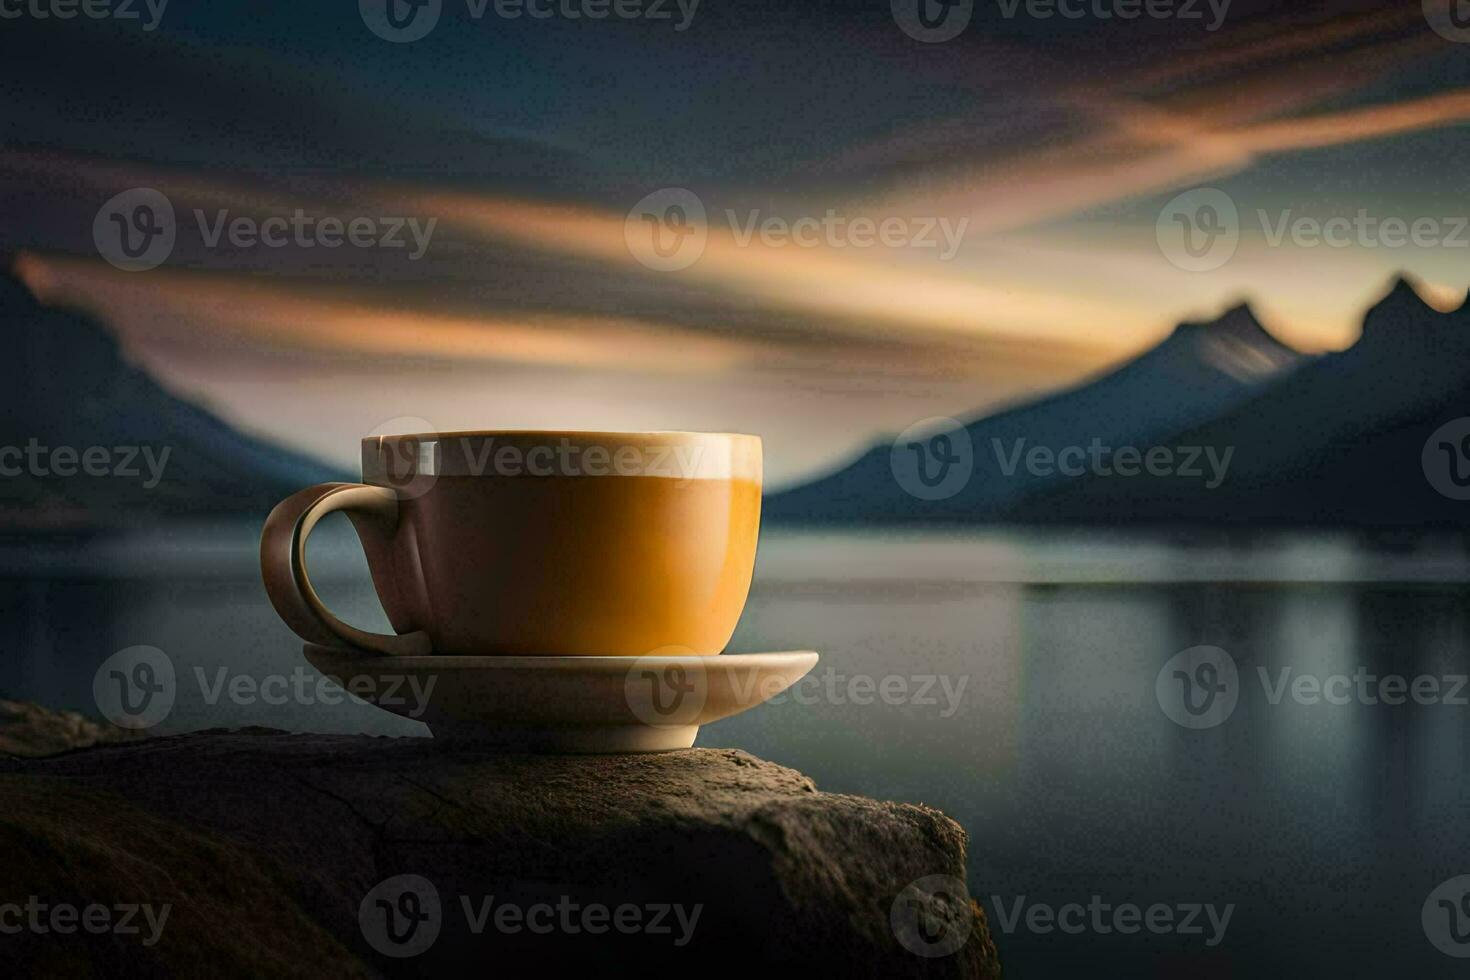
[1019,696]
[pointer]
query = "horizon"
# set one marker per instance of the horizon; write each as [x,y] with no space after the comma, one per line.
[32,275]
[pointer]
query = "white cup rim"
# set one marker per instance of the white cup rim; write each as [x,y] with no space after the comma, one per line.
[393,459]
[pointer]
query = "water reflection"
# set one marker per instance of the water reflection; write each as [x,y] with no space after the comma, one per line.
[1325,825]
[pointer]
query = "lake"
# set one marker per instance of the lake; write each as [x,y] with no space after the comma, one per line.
[1269,728]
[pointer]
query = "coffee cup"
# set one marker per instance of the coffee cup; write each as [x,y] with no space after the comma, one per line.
[535,543]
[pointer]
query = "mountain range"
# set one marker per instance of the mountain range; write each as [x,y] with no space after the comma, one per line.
[1244,430]
[69,390]
[1220,423]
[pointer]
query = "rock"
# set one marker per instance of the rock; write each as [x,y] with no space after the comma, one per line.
[266,847]
[31,730]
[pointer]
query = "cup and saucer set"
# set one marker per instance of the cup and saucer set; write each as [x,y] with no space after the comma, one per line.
[549,591]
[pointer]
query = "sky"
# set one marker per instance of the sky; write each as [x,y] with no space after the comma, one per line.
[859,225]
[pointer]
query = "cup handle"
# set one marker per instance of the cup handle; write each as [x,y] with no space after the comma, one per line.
[374,513]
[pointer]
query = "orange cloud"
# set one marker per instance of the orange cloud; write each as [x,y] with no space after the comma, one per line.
[164,306]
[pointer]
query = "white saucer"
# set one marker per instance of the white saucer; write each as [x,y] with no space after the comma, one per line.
[565,704]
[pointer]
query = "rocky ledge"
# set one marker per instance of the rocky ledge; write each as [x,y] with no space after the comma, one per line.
[29,729]
[259,852]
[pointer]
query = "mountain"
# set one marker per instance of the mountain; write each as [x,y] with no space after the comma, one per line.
[72,403]
[1200,372]
[1340,441]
